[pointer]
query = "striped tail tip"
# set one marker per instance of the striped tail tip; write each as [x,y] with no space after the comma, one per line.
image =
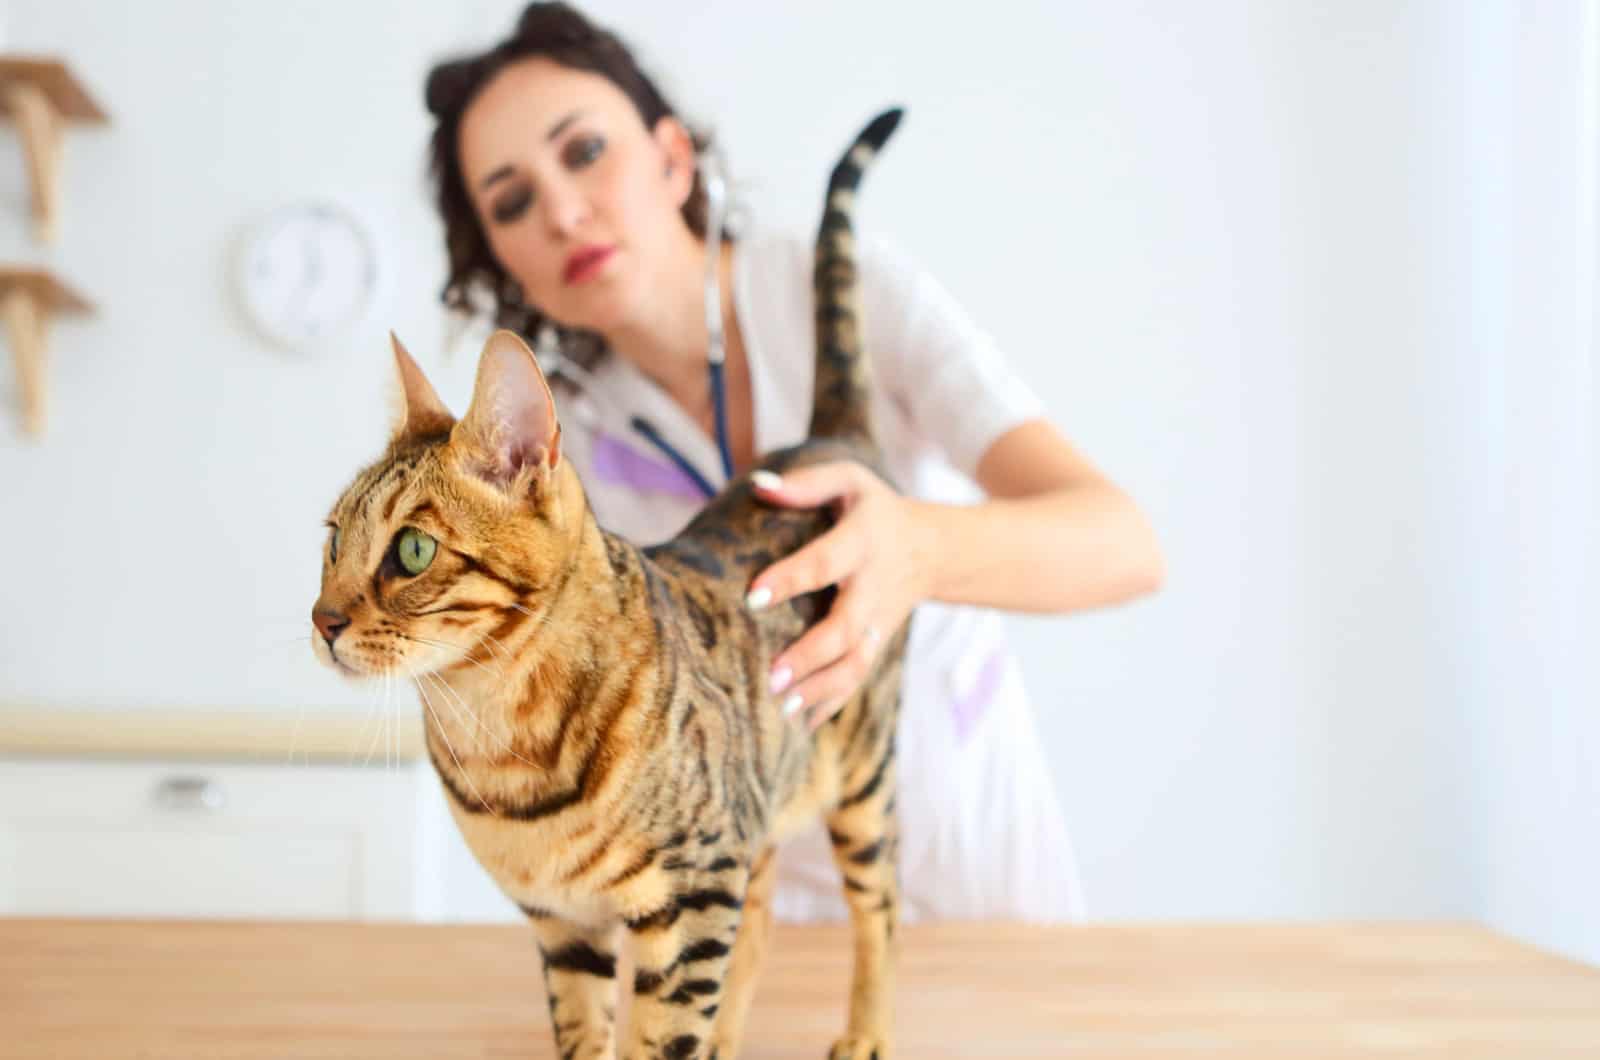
[882,127]
[847,174]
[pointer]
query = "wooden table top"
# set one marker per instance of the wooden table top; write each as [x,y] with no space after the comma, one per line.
[84,988]
[278,737]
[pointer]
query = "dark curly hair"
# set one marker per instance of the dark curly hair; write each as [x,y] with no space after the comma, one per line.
[558,32]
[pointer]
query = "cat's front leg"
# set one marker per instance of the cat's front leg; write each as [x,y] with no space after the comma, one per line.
[580,977]
[681,958]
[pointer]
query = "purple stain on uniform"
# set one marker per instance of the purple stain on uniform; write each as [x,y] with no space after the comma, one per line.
[621,465]
[969,708]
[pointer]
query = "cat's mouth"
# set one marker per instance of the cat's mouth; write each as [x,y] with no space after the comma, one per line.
[339,664]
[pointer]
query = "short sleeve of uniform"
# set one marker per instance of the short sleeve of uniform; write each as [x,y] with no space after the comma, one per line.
[940,367]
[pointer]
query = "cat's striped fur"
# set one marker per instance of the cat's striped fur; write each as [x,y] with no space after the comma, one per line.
[599,714]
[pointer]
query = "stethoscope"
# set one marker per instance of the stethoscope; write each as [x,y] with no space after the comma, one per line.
[716,352]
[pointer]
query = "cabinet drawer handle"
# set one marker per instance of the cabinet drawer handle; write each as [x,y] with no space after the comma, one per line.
[189,793]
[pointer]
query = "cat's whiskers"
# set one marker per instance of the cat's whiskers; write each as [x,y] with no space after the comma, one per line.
[504,747]
[541,616]
[383,726]
[273,640]
[379,704]
[391,746]
[372,705]
[394,713]
[300,711]
[495,742]
[463,653]
[458,707]
[495,642]
[443,735]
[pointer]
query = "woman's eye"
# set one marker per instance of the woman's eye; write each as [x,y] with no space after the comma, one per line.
[414,549]
[584,150]
[512,206]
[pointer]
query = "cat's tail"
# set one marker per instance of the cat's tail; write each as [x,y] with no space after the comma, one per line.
[841,406]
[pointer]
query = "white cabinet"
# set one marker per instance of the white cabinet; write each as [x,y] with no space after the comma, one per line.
[195,838]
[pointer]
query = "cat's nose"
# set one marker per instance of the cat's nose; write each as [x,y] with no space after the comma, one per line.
[329,623]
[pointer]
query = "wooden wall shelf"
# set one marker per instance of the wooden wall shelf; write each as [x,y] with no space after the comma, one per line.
[29,298]
[40,95]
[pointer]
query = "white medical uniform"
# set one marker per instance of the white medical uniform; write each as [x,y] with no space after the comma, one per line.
[982,833]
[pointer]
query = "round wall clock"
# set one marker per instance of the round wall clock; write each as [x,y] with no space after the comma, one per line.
[308,274]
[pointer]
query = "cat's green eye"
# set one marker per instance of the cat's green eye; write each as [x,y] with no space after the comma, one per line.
[333,547]
[415,550]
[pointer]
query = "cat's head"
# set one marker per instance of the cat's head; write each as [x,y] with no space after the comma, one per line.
[449,541]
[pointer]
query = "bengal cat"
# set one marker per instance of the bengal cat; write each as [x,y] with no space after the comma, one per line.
[600,714]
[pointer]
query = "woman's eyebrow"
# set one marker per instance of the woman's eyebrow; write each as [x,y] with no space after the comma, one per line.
[555,130]
[559,127]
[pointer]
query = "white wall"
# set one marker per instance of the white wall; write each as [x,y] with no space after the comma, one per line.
[1529,445]
[1224,241]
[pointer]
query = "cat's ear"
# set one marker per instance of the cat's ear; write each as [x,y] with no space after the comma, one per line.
[422,413]
[511,427]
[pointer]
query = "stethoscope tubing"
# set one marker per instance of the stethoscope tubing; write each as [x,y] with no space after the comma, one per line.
[716,348]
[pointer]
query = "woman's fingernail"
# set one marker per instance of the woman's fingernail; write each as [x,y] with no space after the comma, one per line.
[781,678]
[766,480]
[756,599]
[792,704]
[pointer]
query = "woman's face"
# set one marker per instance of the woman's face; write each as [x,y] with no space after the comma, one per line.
[580,201]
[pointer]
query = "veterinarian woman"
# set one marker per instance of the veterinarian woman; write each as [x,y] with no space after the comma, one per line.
[575,209]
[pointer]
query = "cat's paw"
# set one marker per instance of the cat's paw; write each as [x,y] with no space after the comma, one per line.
[859,1047]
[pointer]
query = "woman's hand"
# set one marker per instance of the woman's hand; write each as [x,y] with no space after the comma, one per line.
[880,555]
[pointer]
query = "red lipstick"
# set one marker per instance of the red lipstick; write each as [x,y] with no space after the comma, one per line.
[586,263]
